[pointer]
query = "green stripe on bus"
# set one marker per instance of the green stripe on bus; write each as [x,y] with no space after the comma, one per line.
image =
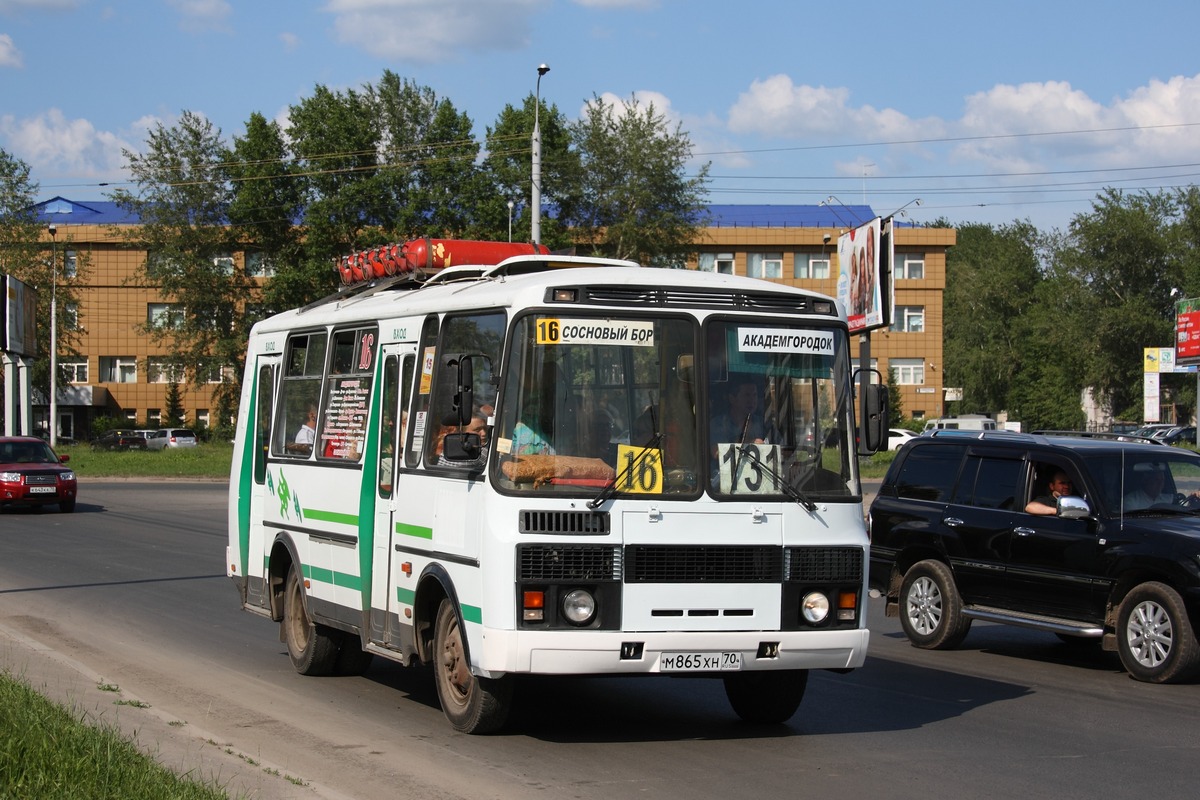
[322,575]
[472,614]
[418,531]
[405,596]
[331,516]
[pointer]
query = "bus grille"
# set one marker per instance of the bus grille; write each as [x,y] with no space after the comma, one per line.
[586,523]
[703,564]
[824,564]
[554,563]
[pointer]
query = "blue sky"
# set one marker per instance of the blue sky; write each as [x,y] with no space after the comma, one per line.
[986,112]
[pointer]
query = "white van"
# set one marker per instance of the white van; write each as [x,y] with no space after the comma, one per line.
[967,422]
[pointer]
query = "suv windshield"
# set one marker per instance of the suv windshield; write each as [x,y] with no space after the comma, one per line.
[1136,481]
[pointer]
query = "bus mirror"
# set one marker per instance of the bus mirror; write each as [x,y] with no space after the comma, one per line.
[683,367]
[873,418]
[464,389]
[461,446]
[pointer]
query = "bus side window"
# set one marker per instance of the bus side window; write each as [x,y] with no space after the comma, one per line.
[387,425]
[262,420]
[294,432]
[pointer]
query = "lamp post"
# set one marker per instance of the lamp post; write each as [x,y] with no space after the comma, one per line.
[52,229]
[536,193]
[510,210]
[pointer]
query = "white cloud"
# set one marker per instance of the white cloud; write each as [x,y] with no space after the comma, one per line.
[290,41]
[202,15]
[433,31]
[14,7]
[10,56]
[56,146]
[605,5]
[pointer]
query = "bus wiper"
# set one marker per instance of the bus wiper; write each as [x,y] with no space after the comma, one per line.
[791,491]
[611,487]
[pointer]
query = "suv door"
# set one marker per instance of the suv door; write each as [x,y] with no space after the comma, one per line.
[987,505]
[1054,563]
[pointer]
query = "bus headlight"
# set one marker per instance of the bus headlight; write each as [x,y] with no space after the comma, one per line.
[579,607]
[815,607]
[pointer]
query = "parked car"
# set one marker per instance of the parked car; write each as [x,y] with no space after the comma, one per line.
[898,436]
[32,474]
[171,437]
[1119,563]
[119,440]
[1185,434]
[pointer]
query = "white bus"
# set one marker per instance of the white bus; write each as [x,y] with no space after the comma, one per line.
[553,465]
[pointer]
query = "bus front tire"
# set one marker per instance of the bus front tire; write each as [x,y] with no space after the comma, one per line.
[770,697]
[471,703]
[312,648]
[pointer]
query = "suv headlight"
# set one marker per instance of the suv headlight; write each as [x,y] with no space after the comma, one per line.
[10,477]
[66,476]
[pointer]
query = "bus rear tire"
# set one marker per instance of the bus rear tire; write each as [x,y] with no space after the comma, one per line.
[769,697]
[312,648]
[471,703]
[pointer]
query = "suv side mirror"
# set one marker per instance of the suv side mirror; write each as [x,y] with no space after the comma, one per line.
[1072,507]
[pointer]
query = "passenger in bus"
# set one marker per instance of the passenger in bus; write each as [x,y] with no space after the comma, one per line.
[307,435]
[526,440]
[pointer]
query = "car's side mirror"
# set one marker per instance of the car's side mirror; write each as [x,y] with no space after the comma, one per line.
[1073,507]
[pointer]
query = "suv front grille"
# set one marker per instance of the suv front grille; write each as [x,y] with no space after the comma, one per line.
[41,479]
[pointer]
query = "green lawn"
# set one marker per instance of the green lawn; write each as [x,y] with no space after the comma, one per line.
[209,460]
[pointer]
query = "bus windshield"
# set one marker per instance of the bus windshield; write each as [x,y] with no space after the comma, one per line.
[593,400]
[625,404]
[779,413]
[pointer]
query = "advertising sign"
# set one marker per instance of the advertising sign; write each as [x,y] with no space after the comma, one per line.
[18,317]
[860,285]
[1187,331]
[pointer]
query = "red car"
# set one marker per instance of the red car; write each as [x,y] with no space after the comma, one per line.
[32,474]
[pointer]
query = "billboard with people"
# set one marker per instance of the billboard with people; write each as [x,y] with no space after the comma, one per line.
[863,283]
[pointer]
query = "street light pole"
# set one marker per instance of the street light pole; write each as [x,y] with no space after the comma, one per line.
[510,210]
[52,229]
[536,192]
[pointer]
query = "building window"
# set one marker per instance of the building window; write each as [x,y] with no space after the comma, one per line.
[76,371]
[118,369]
[224,263]
[153,417]
[909,319]
[71,316]
[214,374]
[808,266]
[911,268]
[908,371]
[202,417]
[163,370]
[131,416]
[259,266]
[716,262]
[164,315]
[764,265]
[70,264]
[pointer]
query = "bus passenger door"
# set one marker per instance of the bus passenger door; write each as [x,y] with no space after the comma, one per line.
[266,379]
[398,368]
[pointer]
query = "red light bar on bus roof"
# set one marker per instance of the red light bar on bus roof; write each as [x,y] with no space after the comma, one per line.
[427,254]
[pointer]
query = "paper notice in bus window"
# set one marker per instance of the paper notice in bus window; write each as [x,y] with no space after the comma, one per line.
[781,340]
[427,369]
[621,332]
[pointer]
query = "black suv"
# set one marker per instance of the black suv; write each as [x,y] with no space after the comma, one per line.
[952,542]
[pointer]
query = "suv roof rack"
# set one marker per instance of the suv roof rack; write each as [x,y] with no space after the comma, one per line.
[1109,435]
[966,434]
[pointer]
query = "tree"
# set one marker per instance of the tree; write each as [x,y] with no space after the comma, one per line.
[508,170]
[1121,257]
[173,410]
[183,200]
[895,404]
[991,277]
[25,254]
[263,213]
[635,199]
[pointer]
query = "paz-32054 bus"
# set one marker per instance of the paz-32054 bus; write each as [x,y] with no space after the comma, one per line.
[536,464]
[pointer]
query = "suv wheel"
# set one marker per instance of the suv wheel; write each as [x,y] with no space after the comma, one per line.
[931,608]
[1155,637]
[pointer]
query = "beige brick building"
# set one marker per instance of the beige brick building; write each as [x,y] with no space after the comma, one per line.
[119,371]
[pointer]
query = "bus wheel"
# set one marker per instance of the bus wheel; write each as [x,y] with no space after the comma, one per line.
[312,649]
[472,704]
[766,697]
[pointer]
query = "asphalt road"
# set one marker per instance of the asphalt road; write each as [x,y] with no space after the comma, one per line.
[123,610]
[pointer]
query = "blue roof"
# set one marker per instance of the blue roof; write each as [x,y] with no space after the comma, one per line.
[62,211]
[790,216]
